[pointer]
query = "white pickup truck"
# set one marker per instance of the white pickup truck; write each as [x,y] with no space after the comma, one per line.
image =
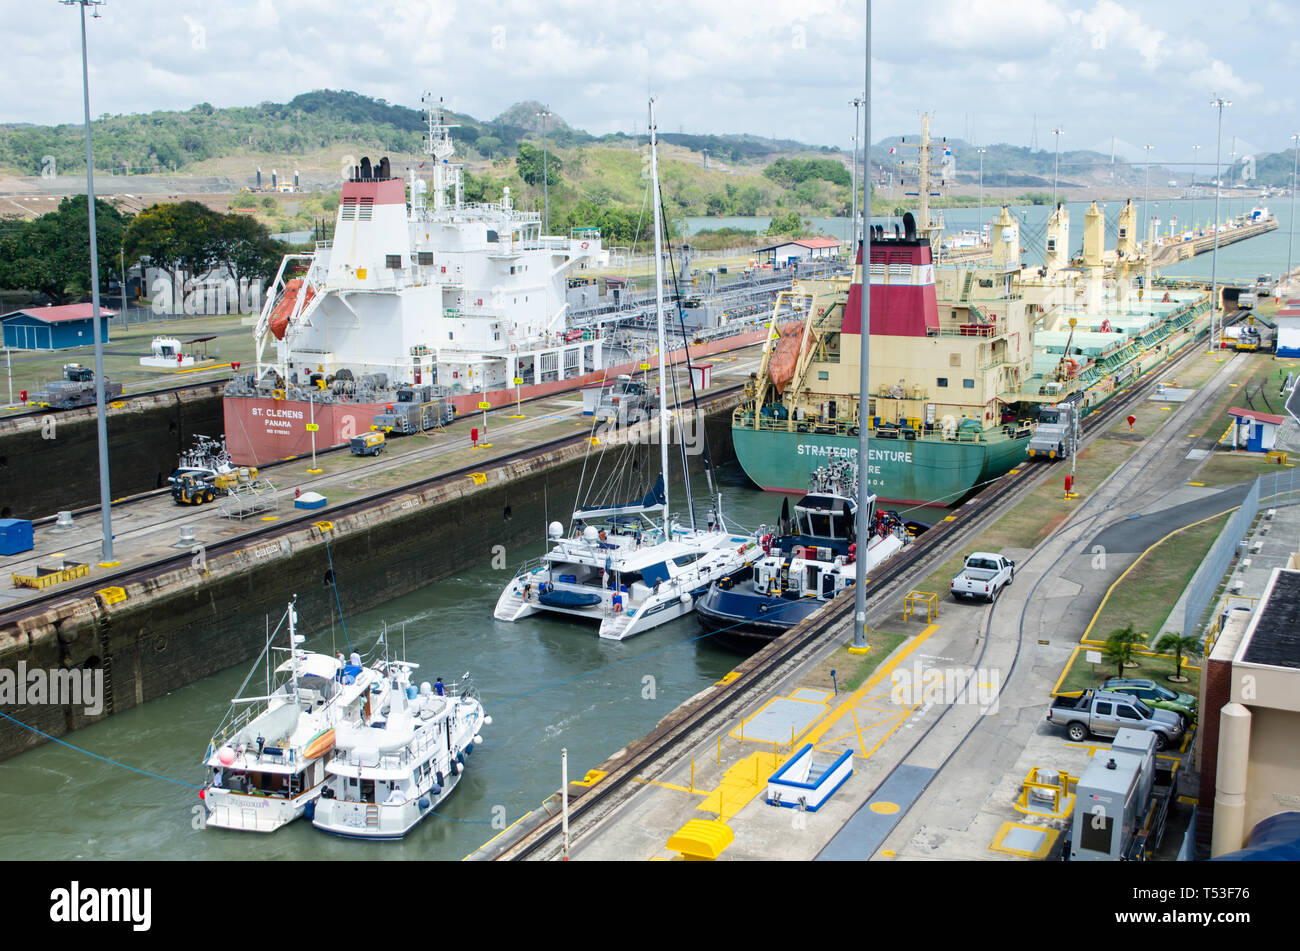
[984,575]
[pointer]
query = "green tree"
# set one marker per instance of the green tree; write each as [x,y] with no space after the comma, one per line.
[790,224]
[1120,647]
[178,239]
[51,254]
[530,160]
[243,245]
[1189,646]
[487,145]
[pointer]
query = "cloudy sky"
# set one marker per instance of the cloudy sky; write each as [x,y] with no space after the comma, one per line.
[990,70]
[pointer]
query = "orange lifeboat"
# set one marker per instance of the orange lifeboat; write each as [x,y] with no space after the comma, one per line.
[284,308]
[785,356]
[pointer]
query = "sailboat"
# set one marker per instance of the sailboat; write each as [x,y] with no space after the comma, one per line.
[266,760]
[617,565]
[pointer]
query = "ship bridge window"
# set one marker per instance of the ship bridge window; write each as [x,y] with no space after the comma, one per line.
[492,236]
[968,384]
[425,258]
[393,261]
[942,381]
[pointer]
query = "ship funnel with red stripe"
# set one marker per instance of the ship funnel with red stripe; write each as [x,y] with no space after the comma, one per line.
[903,302]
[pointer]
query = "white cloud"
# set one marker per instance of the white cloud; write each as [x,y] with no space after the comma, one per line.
[1138,69]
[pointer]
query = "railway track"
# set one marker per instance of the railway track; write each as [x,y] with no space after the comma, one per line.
[702,717]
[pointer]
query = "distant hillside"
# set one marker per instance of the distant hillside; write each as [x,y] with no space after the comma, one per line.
[175,141]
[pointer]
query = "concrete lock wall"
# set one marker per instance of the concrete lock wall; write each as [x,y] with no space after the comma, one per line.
[145,437]
[182,624]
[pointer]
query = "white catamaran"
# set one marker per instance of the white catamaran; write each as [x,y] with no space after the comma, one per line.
[630,573]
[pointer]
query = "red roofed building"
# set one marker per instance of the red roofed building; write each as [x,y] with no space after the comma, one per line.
[1254,431]
[52,328]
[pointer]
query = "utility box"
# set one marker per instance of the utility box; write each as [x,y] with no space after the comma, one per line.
[15,536]
[1106,808]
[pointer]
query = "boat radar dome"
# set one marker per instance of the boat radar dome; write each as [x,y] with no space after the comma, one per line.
[556,530]
[590,534]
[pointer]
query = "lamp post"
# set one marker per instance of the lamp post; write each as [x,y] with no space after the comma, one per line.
[1218,103]
[980,222]
[856,102]
[863,527]
[1057,174]
[546,183]
[1295,140]
[1146,190]
[106,519]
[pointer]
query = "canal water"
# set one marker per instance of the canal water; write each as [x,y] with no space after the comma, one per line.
[546,683]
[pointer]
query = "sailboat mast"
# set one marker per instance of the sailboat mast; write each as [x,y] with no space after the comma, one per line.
[864,527]
[659,319]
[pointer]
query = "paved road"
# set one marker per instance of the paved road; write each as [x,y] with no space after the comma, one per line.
[1026,638]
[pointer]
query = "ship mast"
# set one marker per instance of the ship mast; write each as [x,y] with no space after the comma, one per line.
[927,225]
[439,146]
[659,312]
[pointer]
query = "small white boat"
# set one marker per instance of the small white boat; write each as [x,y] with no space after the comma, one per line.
[266,762]
[388,775]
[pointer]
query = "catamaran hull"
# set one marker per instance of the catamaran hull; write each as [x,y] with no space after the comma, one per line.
[910,472]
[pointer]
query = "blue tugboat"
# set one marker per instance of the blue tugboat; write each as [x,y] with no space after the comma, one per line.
[808,560]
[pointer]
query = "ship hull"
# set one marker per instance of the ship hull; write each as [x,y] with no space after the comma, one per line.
[260,430]
[911,472]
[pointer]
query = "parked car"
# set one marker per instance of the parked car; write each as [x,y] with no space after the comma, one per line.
[1103,713]
[1155,695]
[983,576]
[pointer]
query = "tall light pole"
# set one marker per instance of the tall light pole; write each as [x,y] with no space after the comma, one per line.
[1057,174]
[863,528]
[1218,103]
[981,205]
[1295,140]
[546,178]
[106,518]
[1195,149]
[1146,190]
[856,102]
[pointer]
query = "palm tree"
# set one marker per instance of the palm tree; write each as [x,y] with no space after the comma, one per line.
[1120,646]
[1181,646]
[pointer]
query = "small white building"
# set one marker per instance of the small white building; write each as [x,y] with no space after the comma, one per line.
[1254,431]
[803,249]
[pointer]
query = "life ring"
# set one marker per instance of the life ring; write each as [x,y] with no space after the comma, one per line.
[512,348]
[585,245]
[767,544]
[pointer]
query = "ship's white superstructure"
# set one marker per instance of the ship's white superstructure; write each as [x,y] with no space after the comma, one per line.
[424,287]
